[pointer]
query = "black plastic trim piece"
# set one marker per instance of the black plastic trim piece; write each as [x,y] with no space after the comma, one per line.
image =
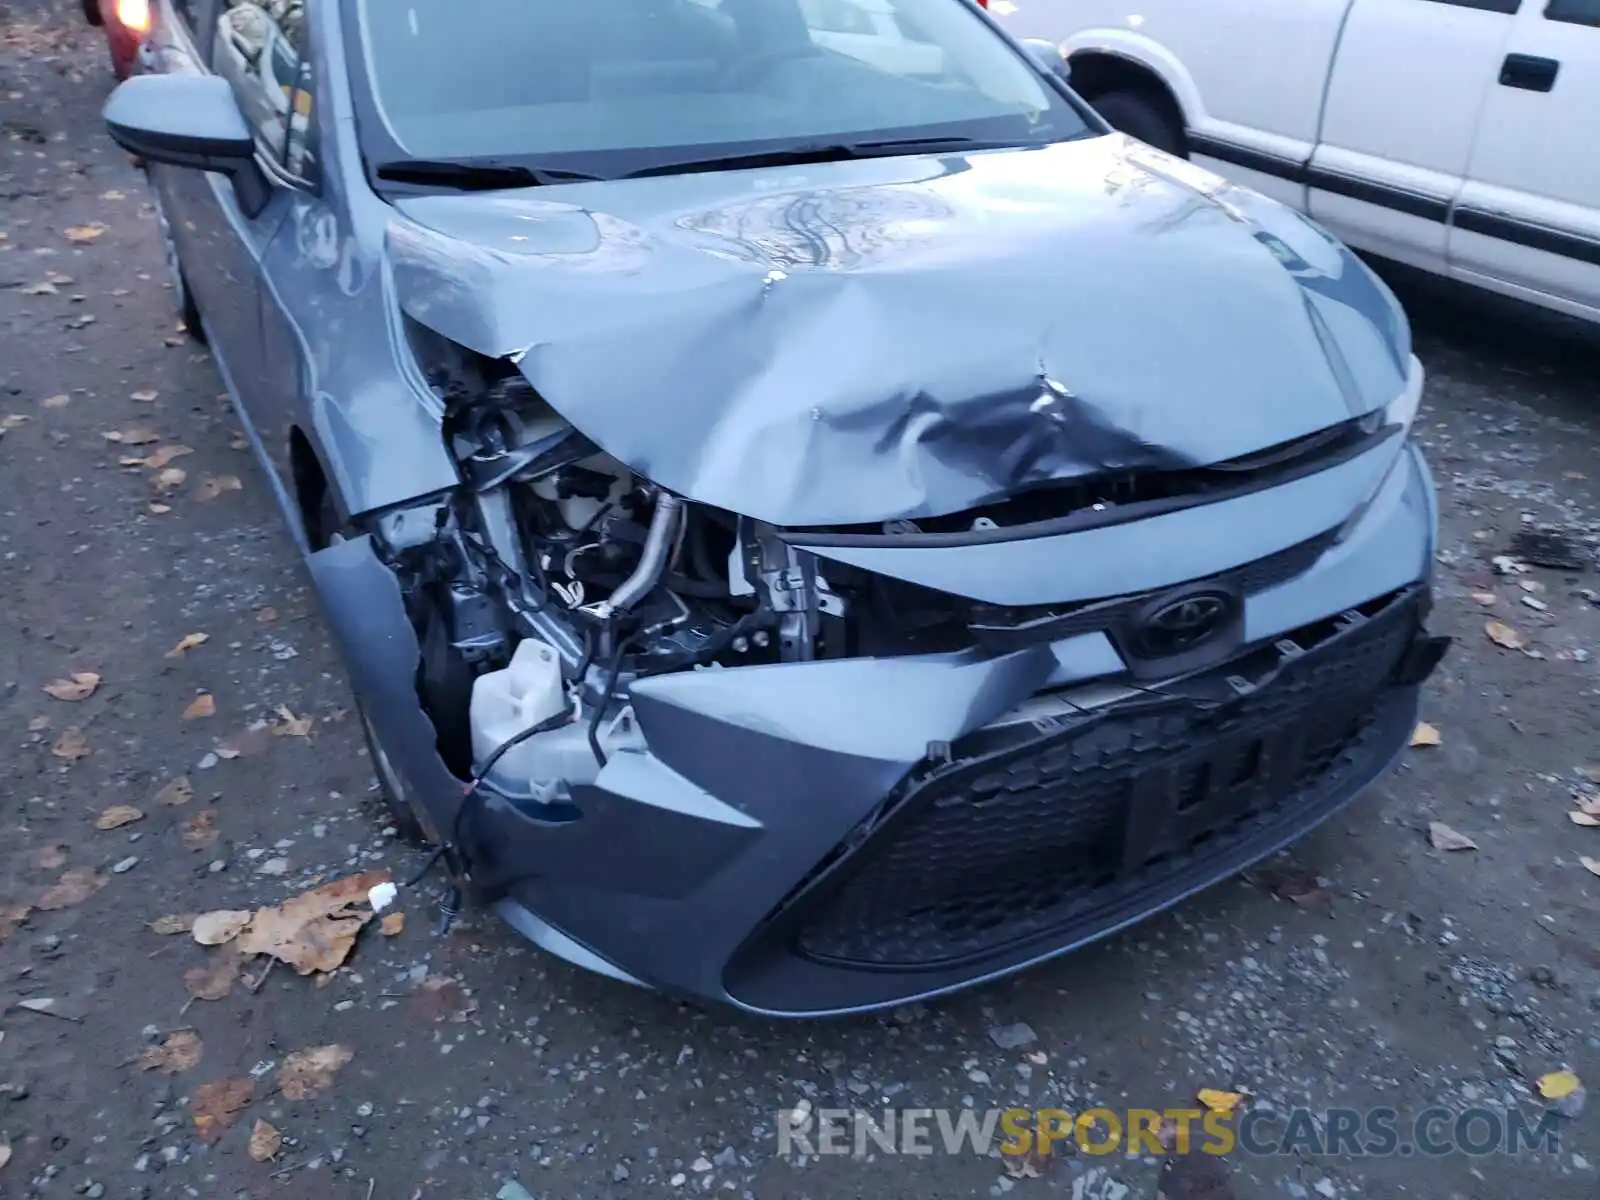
[1091,518]
[1526,233]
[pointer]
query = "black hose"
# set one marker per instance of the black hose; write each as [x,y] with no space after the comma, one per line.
[701,589]
[713,646]
[700,552]
[613,670]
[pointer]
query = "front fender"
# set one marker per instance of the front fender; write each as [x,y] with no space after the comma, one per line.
[367,616]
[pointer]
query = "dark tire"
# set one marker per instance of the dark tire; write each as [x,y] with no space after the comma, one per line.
[1144,116]
[392,790]
[182,296]
[91,12]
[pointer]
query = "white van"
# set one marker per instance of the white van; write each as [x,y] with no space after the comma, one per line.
[1459,136]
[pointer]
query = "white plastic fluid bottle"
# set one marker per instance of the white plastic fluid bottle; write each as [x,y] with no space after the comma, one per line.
[506,702]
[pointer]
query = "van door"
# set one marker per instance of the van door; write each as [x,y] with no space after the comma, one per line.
[1528,219]
[1408,85]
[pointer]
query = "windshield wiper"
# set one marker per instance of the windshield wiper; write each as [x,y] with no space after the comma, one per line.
[474,174]
[823,152]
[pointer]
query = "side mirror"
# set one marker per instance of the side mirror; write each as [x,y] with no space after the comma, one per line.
[1048,55]
[189,121]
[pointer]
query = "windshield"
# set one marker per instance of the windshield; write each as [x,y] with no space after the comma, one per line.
[611,86]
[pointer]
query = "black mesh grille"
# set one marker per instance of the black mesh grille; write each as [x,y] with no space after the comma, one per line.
[1018,839]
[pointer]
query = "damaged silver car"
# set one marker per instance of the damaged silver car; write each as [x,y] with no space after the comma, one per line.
[813,519]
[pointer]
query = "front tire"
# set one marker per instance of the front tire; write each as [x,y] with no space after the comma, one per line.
[1144,116]
[402,813]
[182,297]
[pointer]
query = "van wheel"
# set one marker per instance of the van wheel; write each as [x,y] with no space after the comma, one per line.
[91,12]
[1146,117]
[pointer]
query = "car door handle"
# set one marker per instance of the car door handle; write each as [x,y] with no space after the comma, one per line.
[1530,72]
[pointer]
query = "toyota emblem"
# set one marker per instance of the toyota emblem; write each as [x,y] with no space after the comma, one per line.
[1184,623]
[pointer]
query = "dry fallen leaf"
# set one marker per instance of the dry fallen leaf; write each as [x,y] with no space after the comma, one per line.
[1445,838]
[264,1142]
[200,831]
[1220,1101]
[74,887]
[292,726]
[266,615]
[43,288]
[1425,735]
[392,924]
[216,1106]
[252,739]
[1502,634]
[71,745]
[117,816]
[1591,865]
[316,930]
[134,435]
[12,915]
[179,791]
[1558,1085]
[79,687]
[188,642]
[178,1052]
[203,705]
[305,1073]
[214,980]
[59,400]
[160,509]
[13,421]
[83,233]
[172,923]
[213,486]
[223,925]
[1579,817]
[144,396]
[168,478]
[159,457]
[52,858]
[1486,599]
[38,724]
[5,1153]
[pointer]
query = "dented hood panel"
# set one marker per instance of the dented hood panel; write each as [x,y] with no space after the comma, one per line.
[903,337]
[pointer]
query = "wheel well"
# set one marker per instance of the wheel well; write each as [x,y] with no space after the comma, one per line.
[310,486]
[1095,75]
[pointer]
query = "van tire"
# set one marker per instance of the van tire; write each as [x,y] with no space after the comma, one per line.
[1144,116]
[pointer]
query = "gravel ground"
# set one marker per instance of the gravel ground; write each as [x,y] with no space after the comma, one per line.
[1365,968]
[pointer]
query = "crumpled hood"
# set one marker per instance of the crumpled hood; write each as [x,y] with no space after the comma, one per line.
[904,337]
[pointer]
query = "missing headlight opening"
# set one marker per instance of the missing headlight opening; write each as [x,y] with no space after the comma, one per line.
[555,577]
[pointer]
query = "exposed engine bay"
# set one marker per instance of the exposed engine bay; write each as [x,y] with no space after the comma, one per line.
[556,576]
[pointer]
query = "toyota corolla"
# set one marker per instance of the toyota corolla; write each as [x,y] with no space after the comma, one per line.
[813,518]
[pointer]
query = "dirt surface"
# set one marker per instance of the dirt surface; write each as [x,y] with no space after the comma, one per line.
[1365,968]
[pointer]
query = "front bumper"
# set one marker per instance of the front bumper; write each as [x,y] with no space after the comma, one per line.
[790,846]
[829,837]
